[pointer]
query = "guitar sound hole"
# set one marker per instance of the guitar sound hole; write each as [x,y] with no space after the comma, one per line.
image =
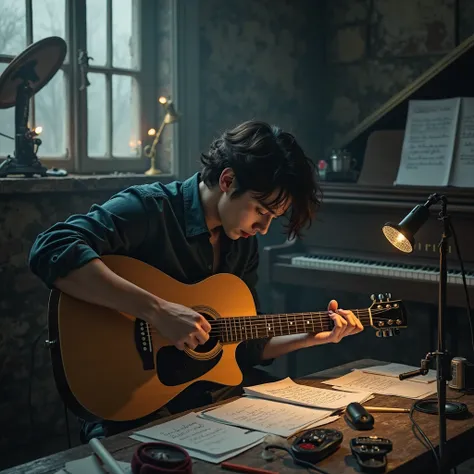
[211,342]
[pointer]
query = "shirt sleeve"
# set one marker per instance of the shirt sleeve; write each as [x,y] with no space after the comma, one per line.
[115,227]
[249,353]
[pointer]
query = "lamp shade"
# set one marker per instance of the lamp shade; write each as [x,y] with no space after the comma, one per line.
[402,235]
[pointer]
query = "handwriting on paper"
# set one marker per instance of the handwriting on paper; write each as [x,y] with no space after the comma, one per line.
[193,432]
[266,415]
[289,391]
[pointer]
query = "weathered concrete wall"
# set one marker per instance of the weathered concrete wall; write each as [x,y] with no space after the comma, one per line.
[377,47]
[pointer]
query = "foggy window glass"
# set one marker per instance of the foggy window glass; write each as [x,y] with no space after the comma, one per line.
[12,27]
[51,115]
[49,19]
[124,35]
[7,125]
[97,31]
[125,116]
[96,116]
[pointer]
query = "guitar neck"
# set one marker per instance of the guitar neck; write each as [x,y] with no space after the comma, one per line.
[241,328]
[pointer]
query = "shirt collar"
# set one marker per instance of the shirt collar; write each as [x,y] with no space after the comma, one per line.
[194,218]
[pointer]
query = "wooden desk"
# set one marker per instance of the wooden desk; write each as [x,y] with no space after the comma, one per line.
[408,456]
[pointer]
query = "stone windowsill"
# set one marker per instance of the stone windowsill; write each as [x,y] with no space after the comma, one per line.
[77,183]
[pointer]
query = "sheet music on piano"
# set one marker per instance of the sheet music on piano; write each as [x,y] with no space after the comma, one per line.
[429,142]
[438,145]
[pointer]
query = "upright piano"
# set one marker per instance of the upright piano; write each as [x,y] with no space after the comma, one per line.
[345,249]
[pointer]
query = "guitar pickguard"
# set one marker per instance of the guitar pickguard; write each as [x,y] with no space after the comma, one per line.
[175,367]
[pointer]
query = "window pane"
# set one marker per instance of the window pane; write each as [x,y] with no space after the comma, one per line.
[7,126]
[125,117]
[49,19]
[97,31]
[12,27]
[96,116]
[51,115]
[124,34]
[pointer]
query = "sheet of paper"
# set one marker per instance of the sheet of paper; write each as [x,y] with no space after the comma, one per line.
[268,416]
[429,142]
[193,432]
[290,392]
[90,465]
[463,164]
[358,380]
[203,456]
[394,370]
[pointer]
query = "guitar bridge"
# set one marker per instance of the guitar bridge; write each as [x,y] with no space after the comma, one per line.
[144,344]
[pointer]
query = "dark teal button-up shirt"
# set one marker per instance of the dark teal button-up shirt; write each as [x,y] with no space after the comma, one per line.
[162,225]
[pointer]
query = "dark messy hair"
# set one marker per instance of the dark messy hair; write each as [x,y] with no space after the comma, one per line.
[264,159]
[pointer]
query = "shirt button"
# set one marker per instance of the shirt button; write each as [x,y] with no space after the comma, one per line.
[54,258]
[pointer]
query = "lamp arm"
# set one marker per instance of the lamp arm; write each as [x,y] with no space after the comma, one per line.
[150,151]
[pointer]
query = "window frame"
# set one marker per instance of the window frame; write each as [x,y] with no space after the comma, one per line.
[76,159]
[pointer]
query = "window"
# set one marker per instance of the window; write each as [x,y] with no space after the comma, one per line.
[96,110]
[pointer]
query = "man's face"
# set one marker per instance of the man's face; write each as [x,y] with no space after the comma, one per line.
[244,216]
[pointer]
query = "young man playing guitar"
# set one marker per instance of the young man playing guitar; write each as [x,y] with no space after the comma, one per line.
[190,230]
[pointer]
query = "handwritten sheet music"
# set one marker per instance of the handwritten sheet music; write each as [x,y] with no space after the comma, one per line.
[265,415]
[463,165]
[290,392]
[193,432]
[358,380]
[429,142]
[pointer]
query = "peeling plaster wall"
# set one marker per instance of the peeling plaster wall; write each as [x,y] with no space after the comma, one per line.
[377,47]
[262,59]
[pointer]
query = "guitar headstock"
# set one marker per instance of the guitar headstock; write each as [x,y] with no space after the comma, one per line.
[388,316]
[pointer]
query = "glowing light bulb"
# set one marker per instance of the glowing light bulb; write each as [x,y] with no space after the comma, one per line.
[162,100]
[38,130]
[152,132]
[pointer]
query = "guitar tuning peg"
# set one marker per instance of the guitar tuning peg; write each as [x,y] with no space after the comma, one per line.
[396,331]
[378,333]
[381,297]
[388,296]
[372,297]
[387,332]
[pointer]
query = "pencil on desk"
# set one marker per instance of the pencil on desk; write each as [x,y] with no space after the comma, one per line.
[105,457]
[248,469]
[387,410]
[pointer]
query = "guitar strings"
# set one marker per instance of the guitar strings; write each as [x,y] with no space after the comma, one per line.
[224,326]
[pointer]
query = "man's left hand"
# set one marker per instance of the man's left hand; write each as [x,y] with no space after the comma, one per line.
[345,324]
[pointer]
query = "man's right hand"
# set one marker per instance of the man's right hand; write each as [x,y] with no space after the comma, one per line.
[181,325]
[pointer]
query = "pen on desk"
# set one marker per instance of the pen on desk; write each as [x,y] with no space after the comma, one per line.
[248,469]
[105,457]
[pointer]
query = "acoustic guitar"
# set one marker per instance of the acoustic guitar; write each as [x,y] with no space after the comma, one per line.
[116,367]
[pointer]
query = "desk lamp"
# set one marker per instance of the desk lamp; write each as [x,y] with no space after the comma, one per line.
[171,116]
[402,237]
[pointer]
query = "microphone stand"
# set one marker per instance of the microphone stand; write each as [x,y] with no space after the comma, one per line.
[443,358]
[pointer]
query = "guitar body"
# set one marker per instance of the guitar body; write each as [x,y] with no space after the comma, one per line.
[112,366]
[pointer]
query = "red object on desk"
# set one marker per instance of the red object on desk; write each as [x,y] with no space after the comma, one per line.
[240,468]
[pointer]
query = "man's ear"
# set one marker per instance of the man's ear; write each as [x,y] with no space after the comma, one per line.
[226,180]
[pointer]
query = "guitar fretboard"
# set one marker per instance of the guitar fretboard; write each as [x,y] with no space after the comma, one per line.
[236,329]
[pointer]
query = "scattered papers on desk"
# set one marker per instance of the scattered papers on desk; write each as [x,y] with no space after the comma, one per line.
[91,465]
[394,370]
[382,384]
[268,416]
[290,392]
[202,438]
